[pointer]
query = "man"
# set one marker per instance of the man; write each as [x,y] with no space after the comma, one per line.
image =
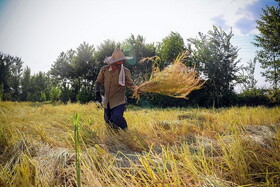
[115,78]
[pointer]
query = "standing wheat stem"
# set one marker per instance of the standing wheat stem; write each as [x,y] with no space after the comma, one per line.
[76,118]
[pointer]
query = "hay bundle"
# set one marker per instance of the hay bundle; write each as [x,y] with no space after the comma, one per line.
[176,80]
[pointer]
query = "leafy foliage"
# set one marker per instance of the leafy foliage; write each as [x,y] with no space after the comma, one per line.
[269,42]
[216,58]
[10,72]
[75,70]
[170,47]
[39,87]
[254,97]
[54,94]
[247,78]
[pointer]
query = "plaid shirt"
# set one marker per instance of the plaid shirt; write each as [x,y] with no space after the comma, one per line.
[114,92]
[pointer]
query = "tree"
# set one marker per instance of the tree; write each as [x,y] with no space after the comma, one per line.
[105,49]
[62,70]
[216,58]
[25,83]
[39,88]
[137,48]
[170,47]
[247,79]
[10,72]
[14,78]
[75,70]
[54,94]
[81,62]
[82,76]
[1,92]
[269,42]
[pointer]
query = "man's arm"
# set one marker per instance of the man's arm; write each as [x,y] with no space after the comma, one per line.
[128,81]
[97,92]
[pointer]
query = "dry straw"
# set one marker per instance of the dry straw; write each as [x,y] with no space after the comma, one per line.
[176,80]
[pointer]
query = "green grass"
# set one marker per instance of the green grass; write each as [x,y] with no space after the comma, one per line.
[162,147]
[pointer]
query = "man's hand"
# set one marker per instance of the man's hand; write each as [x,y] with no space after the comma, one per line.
[139,91]
[98,97]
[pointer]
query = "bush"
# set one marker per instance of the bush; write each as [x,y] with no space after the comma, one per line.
[85,95]
[65,95]
[1,92]
[254,97]
[54,94]
[274,96]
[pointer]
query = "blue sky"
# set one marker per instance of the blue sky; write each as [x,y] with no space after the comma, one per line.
[250,12]
[253,12]
[38,30]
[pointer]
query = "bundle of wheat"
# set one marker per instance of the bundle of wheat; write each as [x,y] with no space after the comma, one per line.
[176,80]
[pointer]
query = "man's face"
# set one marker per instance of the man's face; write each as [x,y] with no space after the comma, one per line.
[117,64]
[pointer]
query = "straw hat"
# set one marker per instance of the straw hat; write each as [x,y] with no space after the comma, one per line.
[117,55]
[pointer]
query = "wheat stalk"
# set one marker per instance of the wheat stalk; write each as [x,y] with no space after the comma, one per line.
[76,119]
[176,80]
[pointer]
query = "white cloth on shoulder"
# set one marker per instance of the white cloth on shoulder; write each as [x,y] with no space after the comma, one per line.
[122,76]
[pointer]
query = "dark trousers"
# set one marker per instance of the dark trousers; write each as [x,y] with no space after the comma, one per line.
[114,117]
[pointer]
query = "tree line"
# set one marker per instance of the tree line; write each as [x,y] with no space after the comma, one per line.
[73,73]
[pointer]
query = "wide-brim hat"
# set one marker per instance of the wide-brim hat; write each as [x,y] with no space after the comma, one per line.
[117,55]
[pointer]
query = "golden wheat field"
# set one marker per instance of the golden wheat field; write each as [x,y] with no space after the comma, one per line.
[39,146]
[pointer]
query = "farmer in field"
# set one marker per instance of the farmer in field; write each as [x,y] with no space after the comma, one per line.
[115,78]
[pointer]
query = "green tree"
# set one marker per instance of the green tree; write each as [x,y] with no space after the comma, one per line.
[54,94]
[61,72]
[216,58]
[25,83]
[10,72]
[74,71]
[62,69]
[105,49]
[247,78]
[14,78]
[82,76]
[170,47]
[40,87]
[137,48]
[269,42]
[81,62]
[254,97]
[1,92]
